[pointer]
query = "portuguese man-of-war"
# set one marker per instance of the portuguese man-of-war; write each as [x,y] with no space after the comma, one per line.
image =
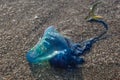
[61,52]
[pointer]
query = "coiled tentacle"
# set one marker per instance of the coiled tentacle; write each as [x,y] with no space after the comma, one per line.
[82,47]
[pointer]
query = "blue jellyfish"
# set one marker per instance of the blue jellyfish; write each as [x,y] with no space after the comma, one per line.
[60,51]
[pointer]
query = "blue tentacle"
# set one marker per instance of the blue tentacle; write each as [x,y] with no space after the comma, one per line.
[82,47]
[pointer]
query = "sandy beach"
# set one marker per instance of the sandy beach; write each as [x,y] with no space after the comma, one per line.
[22,23]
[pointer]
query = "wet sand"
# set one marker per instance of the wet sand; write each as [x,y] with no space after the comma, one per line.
[22,22]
